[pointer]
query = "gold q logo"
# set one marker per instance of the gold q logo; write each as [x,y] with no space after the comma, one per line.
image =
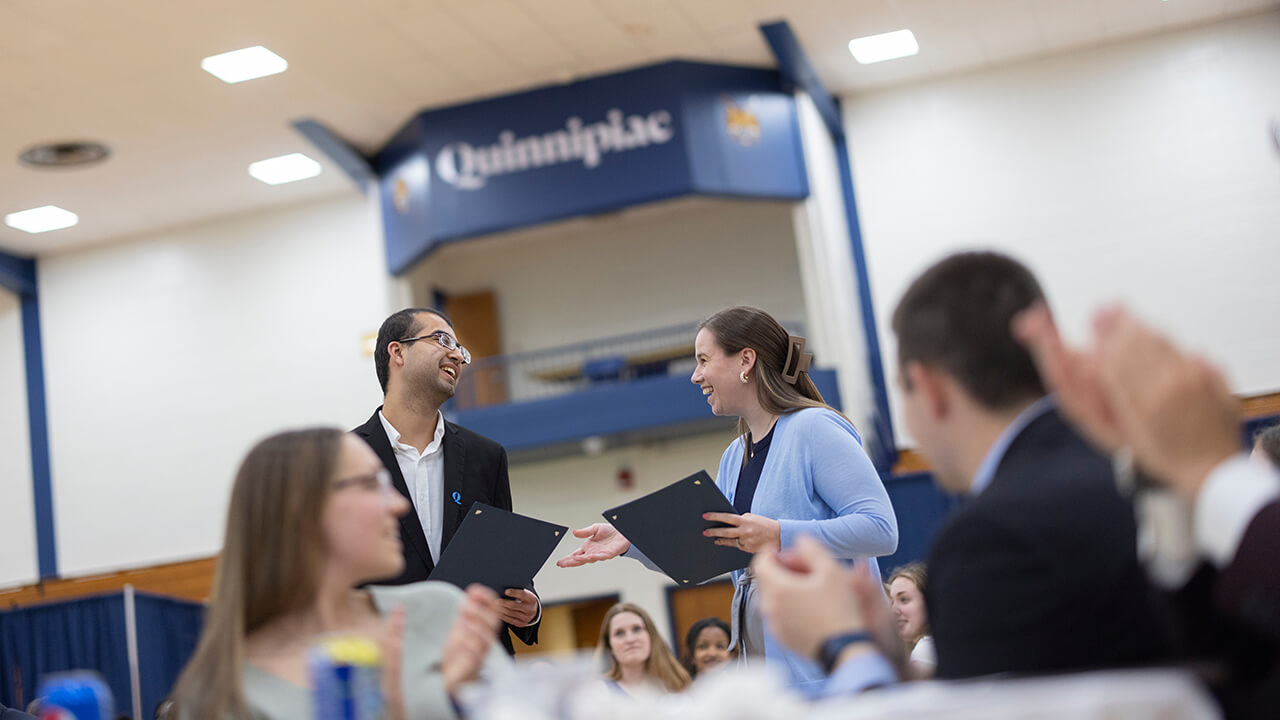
[400,196]
[741,124]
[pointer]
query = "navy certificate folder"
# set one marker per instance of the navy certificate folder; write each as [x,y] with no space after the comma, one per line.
[497,548]
[666,525]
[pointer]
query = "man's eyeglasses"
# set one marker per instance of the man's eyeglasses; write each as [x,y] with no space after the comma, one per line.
[446,341]
[379,481]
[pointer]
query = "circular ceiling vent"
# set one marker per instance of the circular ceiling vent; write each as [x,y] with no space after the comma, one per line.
[65,154]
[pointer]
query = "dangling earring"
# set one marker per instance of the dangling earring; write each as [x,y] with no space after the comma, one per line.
[744,377]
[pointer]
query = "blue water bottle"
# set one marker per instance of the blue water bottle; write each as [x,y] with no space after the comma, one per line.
[80,695]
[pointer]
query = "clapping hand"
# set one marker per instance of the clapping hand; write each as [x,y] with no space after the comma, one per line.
[470,637]
[1136,390]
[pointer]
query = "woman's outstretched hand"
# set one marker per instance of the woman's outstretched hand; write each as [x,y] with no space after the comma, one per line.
[603,542]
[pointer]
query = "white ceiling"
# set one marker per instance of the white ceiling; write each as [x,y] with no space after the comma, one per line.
[128,74]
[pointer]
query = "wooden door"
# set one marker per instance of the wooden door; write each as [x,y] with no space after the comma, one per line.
[690,604]
[569,626]
[475,319]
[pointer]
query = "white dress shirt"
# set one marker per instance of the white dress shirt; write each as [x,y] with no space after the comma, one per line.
[1174,535]
[424,476]
[1230,497]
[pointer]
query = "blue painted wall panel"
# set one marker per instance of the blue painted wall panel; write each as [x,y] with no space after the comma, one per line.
[605,409]
[920,508]
[594,146]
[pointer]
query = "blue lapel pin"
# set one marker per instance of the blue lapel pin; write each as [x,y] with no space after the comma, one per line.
[457,498]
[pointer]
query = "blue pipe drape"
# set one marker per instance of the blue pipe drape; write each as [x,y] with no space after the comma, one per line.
[920,507]
[89,634]
[167,633]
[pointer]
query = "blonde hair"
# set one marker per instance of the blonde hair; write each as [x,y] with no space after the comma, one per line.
[269,564]
[916,573]
[661,664]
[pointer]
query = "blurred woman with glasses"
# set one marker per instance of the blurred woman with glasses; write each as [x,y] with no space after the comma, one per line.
[312,517]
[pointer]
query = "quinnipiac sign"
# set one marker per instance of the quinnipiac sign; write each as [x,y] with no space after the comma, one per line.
[593,146]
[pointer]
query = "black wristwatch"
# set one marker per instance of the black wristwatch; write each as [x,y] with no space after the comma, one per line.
[829,651]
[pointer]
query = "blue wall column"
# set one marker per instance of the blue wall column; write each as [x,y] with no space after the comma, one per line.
[19,276]
[799,73]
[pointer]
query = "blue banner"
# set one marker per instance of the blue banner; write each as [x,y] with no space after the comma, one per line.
[593,146]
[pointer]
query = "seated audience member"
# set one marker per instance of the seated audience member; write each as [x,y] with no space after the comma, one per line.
[906,599]
[312,516]
[706,646]
[1037,572]
[635,657]
[1135,391]
[1266,446]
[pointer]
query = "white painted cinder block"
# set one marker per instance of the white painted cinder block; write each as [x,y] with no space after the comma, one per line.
[1142,173]
[168,355]
[18,565]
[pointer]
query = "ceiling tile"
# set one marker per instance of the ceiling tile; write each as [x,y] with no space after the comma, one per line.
[1178,13]
[496,18]
[128,74]
[743,47]
[1013,33]
[1120,18]
[718,16]
[1064,25]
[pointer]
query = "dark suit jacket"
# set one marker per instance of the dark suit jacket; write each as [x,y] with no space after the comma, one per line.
[1039,573]
[1235,613]
[475,470]
[1249,587]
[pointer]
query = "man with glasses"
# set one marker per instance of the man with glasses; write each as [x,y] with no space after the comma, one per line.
[440,467]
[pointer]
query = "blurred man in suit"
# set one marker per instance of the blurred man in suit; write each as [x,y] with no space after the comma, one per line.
[1037,571]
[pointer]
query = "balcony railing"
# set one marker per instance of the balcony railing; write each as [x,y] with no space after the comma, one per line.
[540,374]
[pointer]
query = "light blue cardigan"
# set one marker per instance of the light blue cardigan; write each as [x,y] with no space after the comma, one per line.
[816,480]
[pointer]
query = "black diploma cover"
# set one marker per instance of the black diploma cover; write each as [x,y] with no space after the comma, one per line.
[666,525]
[497,548]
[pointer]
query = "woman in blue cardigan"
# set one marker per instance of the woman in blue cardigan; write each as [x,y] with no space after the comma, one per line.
[797,466]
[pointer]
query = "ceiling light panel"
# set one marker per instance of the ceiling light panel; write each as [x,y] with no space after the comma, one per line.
[885,46]
[41,219]
[246,64]
[285,169]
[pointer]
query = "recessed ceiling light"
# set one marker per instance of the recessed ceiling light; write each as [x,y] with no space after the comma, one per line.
[286,168]
[885,46]
[41,219]
[247,64]
[64,154]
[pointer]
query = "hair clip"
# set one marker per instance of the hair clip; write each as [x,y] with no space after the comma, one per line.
[795,349]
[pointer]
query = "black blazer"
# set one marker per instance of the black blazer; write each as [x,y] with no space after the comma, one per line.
[1039,572]
[475,469]
[1248,588]
[1238,617]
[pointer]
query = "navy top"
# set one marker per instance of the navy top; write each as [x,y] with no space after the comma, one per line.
[749,477]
